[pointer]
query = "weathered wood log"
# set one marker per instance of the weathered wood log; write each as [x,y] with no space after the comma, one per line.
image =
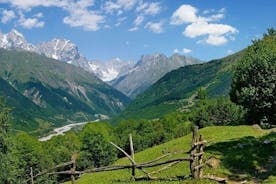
[73,168]
[200,158]
[48,170]
[199,166]
[214,178]
[132,155]
[198,154]
[119,167]
[157,159]
[162,163]
[193,152]
[125,153]
[165,168]
[32,176]
[200,143]
[130,158]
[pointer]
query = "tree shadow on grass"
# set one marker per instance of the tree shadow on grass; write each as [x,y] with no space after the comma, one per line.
[248,156]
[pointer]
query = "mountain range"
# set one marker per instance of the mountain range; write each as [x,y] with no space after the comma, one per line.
[177,90]
[147,71]
[52,83]
[45,93]
[129,77]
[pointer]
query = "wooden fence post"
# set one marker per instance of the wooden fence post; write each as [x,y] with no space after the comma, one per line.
[200,158]
[132,155]
[32,176]
[193,152]
[73,168]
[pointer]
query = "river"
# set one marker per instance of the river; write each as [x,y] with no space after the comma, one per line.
[62,130]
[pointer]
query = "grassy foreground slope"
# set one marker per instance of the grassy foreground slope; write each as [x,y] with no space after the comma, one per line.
[241,153]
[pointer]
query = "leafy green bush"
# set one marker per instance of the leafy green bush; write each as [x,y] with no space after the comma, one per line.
[254,80]
[95,148]
[219,111]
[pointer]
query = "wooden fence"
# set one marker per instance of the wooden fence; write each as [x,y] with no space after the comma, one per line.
[195,159]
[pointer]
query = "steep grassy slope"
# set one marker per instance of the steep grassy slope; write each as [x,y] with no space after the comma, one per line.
[45,93]
[167,94]
[242,153]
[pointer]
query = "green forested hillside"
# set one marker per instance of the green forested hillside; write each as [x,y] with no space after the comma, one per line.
[45,93]
[167,94]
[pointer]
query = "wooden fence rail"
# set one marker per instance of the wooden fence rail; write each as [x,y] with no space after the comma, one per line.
[195,159]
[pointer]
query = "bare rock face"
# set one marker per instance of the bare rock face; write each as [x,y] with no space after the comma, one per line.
[148,70]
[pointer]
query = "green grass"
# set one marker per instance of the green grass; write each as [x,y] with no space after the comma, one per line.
[223,142]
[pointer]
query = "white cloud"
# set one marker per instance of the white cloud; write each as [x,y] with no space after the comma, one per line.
[229,51]
[119,5]
[208,11]
[188,14]
[107,26]
[30,23]
[185,14]
[120,12]
[7,15]
[155,27]
[38,15]
[120,21]
[149,8]
[111,6]
[28,4]
[138,21]
[222,10]
[133,29]
[215,17]
[217,34]
[186,51]
[127,4]
[88,20]
[204,28]
[79,11]
[216,40]
[175,51]
[85,14]
[198,26]
[85,3]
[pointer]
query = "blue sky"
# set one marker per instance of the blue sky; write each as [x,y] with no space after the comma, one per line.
[105,29]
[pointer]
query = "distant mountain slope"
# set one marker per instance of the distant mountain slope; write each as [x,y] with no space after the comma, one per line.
[167,94]
[147,71]
[129,77]
[45,92]
[66,51]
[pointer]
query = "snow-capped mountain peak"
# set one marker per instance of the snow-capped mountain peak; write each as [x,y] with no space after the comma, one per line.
[15,32]
[59,49]
[108,71]
[14,40]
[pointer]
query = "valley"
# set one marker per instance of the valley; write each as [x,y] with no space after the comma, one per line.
[137,92]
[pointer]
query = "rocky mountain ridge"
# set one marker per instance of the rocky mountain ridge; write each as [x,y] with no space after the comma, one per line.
[129,77]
